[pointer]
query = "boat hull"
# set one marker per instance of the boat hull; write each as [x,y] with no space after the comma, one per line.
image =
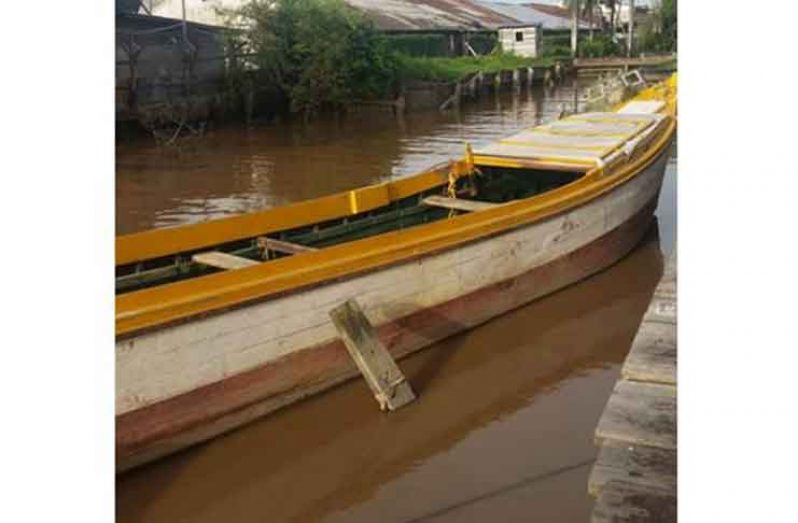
[189,382]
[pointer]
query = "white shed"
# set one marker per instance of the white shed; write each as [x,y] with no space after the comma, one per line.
[521,40]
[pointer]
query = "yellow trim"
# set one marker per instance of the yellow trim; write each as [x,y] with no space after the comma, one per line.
[161,305]
[563,164]
[155,243]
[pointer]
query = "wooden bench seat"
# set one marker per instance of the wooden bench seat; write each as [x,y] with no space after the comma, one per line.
[457,203]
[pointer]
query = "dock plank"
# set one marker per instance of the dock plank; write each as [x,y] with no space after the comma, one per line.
[647,467]
[634,478]
[640,414]
[661,310]
[653,354]
[621,502]
[457,203]
[383,376]
[222,260]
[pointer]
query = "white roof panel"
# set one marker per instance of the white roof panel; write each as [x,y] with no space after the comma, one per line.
[583,138]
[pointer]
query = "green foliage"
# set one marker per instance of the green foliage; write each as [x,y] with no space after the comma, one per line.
[453,69]
[321,54]
[419,44]
[437,44]
[555,38]
[668,13]
[652,42]
[601,46]
[562,52]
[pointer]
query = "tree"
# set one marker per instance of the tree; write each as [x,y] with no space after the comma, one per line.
[668,14]
[320,53]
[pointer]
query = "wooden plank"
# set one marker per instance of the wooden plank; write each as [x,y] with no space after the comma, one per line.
[383,376]
[648,467]
[653,354]
[222,260]
[640,414]
[661,310]
[621,502]
[457,203]
[283,246]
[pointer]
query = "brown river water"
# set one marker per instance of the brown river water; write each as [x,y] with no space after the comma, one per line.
[503,427]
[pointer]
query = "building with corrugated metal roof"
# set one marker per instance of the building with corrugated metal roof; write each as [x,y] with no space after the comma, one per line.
[534,14]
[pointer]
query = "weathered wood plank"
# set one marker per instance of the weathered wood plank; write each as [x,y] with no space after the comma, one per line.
[222,260]
[621,502]
[457,203]
[665,290]
[661,310]
[283,246]
[640,414]
[653,354]
[648,467]
[383,376]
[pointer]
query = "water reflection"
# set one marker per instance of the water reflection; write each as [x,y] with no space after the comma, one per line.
[233,170]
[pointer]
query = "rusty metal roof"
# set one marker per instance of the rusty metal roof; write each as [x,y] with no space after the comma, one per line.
[430,15]
[563,13]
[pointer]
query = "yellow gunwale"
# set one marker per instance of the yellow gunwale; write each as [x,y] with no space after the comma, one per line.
[165,304]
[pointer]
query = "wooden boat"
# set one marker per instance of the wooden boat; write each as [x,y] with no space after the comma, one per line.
[222,322]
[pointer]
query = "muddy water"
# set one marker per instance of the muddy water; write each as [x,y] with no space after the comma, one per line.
[230,171]
[503,427]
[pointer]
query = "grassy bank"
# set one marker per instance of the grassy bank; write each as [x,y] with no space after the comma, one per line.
[452,69]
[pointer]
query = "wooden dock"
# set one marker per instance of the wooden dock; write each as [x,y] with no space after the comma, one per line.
[634,477]
[622,62]
[652,66]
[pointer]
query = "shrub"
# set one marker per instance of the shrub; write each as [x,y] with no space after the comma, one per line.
[602,45]
[419,44]
[320,53]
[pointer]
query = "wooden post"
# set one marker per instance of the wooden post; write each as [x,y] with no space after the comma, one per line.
[574,25]
[184,25]
[631,27]
[390,388]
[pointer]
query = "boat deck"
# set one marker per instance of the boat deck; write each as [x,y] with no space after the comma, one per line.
[581,141]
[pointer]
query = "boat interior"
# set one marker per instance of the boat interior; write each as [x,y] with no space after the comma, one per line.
[523,166]
[492,186]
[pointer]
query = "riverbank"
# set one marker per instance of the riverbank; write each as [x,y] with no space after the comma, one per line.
[444,69]
[426,83]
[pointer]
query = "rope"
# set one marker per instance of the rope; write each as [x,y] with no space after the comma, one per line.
[460,169]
